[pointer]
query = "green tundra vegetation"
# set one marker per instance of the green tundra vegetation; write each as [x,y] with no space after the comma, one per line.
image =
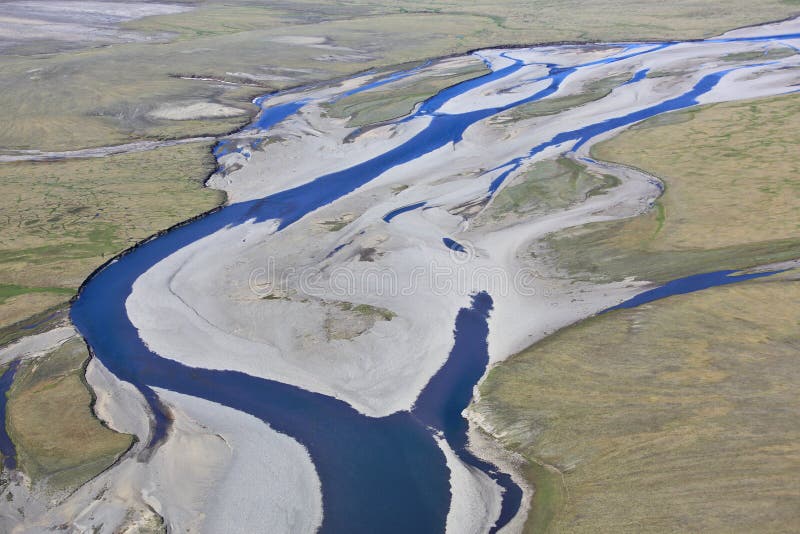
[550,106]
[59,442]
[65,218]
[547,186]
[61,219]
[676,415]
[100,95]
[732,197]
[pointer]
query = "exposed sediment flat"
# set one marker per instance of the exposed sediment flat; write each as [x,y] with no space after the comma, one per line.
[206,290]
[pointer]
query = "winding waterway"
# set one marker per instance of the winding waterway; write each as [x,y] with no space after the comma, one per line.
[382,474]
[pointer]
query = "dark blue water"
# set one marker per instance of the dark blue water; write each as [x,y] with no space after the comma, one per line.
[378,475]
[449,392]
[7,448]
[638,77]
[690,284]
[272,115]
[453,245]
[394,213]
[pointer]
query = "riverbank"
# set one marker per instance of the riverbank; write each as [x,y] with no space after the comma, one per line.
[658,435]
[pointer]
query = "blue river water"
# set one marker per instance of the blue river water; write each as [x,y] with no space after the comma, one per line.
[690,284]
[378,474]
[272,115]
[449,392]
[394,213]
[581,136]
[453,245]
[7,448]
[639,76]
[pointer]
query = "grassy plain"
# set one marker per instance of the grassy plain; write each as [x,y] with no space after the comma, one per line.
[59,441]
[732,195]
[675,416]
[62,219]
[99,96]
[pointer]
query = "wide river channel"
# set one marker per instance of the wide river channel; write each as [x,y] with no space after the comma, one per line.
[378,474]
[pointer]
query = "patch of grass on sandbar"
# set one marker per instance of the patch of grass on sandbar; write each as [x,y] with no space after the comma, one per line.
[398,99]
[59,441]
[546,186]
[550,106]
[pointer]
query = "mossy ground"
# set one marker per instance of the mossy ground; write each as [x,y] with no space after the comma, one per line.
[732,197]
[62,219]
[550,106]
[674,416]
[58,439]
[545,187]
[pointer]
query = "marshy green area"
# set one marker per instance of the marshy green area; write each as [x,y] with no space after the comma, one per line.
[547,186]
[676,415]
[58,439]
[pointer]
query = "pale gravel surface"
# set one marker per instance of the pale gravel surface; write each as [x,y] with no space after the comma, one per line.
[32,346]
[267,478]
[195,110]
[218,470]
[476,498]
[76,21]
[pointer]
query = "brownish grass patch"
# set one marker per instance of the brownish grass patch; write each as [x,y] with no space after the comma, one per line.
[59,441]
